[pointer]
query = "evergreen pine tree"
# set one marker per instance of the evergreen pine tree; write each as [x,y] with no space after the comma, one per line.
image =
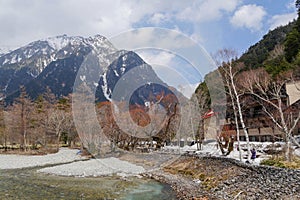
[292,42]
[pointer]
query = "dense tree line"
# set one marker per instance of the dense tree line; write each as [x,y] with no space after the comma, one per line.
[278,51]
[292,42]
[260,52]
[42,123]
[125,133]
[47,122]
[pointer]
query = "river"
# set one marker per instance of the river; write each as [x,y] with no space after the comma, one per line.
[28,184]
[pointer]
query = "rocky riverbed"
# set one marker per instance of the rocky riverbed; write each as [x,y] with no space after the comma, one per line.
[191,177]
[260,182]
[220,178]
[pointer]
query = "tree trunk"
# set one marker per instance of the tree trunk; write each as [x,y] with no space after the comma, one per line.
[238,135]
[24,141]
[5,141]
[287,151]
[241,116]
[245,132]
[236,123]
[58,141]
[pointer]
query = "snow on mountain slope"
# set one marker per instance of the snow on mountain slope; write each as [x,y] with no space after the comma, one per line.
[24,64]
[4,50]
[55,62]
[40,53]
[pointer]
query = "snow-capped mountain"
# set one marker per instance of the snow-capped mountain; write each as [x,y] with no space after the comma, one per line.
[54,62]
[4,50]
[37,55]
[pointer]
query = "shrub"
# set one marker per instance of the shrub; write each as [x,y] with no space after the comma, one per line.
[279,162]
[273,162]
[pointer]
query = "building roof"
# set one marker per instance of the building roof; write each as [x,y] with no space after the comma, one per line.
[209,114]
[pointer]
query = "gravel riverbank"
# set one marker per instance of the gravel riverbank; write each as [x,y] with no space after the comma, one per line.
[95,167]
[13,161]
[220,178]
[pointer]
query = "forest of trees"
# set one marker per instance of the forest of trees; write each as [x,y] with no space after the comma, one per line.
[278,51]
[31,124]
[46,123]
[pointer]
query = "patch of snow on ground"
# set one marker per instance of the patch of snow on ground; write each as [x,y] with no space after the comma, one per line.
[22,161]
[95,167]
[212,149]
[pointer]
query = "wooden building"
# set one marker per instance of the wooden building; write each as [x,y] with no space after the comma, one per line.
[259,126]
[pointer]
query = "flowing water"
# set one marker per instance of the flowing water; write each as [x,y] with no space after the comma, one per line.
[28,184]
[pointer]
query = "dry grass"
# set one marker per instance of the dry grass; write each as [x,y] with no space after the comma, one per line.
[209,175]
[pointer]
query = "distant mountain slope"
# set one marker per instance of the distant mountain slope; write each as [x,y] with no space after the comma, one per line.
[268,53]
[54,63]
[260,52]
[25,64]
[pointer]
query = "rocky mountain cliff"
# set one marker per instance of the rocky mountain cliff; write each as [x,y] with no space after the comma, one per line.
[54,62]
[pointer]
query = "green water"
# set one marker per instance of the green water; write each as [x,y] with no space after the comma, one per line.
[28,184]
[148,191]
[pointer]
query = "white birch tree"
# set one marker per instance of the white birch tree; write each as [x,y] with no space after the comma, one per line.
[225,59]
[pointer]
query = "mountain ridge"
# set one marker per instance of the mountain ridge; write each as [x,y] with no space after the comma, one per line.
[54,62]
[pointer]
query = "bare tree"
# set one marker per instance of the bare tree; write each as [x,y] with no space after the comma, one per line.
[87,124]
[3,132]
[225,58]
[57,120]
[23,106]
[201,100]
[270,93]
[135,117]
[171,126]
[158,120]
[11,129]
[71,134]
[108,125]
[44,106]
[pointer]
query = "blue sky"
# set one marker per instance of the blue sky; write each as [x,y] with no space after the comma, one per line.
[233,24]
[212,24]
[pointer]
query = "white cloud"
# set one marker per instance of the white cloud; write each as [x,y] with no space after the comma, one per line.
[26,21]
[166,40]
[163,58]
[291,5]
[158,18]
[207,10]
[281,20]
[249,16]
[152,37]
